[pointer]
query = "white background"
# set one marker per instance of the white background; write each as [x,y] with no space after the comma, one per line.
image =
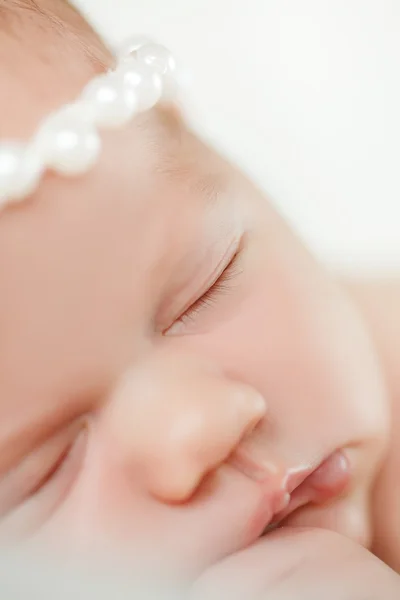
[304,95]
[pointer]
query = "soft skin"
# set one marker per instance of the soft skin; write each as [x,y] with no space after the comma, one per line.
[142,408]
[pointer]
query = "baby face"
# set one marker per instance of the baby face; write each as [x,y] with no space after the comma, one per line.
[176,372]
[173,362]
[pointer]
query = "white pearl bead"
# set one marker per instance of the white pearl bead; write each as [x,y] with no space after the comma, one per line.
[79,110]
[20,171]
[112,103]
[157,57]
[68,144]
[131,45]
[146,83]
[161,60]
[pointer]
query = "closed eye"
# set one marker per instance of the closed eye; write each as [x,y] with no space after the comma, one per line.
[223,286]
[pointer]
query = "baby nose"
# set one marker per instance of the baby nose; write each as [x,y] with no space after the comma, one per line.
[179,422]
[201,434]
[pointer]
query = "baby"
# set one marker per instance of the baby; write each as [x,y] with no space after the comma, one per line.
[177,373]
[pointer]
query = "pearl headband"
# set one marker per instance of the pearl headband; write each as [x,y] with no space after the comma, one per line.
[68,141]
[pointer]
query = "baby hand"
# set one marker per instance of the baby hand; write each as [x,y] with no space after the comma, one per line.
[300,564]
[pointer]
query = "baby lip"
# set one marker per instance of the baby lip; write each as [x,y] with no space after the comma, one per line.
[321,484]
[283,490]
[295,477]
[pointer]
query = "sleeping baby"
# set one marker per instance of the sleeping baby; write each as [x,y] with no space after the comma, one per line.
[178,375]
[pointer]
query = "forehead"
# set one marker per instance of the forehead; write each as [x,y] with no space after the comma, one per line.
[47,54]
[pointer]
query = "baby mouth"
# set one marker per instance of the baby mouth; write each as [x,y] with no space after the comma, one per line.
[284,491]
[315,486]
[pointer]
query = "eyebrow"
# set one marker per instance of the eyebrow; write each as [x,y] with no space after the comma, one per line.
[211,187]
[168,136]
[208,187]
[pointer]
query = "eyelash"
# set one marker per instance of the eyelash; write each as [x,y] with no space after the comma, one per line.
[222,286]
